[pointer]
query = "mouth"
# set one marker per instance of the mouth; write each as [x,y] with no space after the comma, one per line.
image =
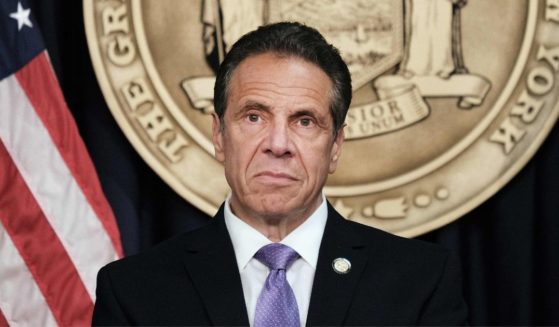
[269,177]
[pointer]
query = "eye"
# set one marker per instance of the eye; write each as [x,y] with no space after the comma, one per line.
[253,118]
[305,122]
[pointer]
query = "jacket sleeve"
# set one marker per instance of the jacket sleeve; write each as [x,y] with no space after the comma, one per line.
[446,305]
[107,310]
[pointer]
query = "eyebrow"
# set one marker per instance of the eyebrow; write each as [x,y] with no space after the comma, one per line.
[253,105]
[304,112]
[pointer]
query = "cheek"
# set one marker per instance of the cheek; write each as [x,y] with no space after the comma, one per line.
[239,153]
[317,162]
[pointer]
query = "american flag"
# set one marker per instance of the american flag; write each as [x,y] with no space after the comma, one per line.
[56,227]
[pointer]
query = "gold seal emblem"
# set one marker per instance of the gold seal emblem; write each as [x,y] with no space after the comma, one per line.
[451,98]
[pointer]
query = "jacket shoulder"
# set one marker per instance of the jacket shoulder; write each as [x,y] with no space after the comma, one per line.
[393,245]
[150,288]
[163,255]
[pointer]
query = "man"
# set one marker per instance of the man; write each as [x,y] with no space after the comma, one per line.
[281,97]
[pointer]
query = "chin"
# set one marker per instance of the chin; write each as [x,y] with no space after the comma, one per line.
[277,206]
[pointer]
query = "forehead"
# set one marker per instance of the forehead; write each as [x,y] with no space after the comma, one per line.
[276,76]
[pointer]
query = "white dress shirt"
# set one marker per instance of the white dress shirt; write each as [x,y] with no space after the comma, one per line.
[305,239]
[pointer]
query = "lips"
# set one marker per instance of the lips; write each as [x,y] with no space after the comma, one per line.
[275,177]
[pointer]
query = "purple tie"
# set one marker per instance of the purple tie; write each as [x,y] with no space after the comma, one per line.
[276,305]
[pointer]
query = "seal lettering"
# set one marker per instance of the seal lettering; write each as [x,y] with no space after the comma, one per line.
[136,93]
[157,126]
[115,20]
[120,50]
[161,132]
[540,81]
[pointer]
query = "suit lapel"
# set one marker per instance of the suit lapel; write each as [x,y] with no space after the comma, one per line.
[332,292]
[210,262]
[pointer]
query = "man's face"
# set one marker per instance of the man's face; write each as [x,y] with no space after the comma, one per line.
[278,142]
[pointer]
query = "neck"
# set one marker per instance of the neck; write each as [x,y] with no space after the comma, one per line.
[275,226]
[275,230]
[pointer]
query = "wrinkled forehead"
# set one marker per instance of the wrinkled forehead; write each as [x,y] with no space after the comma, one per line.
[289,80]
[285,70]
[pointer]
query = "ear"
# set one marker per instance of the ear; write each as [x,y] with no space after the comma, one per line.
[336,150]
[217,138]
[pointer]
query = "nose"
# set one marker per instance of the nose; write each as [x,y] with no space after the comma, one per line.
[278,142]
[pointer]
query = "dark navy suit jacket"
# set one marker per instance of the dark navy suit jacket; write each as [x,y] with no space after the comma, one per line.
[194,280]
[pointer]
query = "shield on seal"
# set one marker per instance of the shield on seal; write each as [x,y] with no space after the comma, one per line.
[369,34]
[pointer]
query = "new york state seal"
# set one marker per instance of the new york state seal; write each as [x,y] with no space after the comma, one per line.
[451,97]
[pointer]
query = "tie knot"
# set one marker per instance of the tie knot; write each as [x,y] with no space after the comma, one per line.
[276,256]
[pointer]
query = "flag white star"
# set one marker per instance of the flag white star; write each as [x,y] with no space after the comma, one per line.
[22,17]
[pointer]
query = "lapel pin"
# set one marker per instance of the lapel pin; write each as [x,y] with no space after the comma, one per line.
[341,265]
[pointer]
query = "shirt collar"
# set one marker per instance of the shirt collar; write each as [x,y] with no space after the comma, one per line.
[305,239]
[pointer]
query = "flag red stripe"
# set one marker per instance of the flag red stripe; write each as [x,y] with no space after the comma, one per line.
[21,299]
[41,87]
[41,249]
[3,321]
